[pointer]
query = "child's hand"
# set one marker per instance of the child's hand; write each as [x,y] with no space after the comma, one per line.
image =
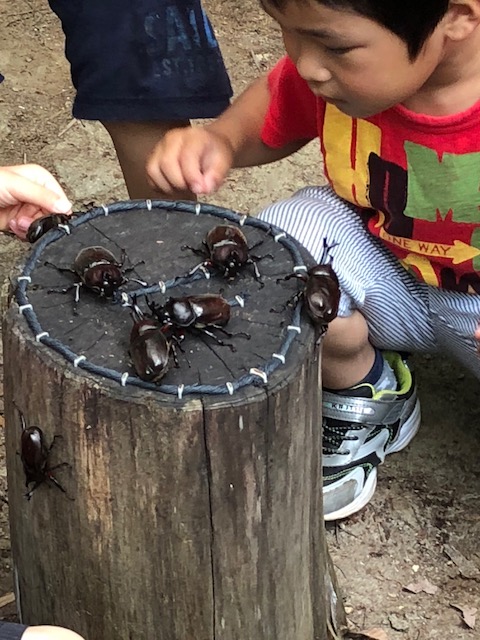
[27,192]
[190,159]
[477,337]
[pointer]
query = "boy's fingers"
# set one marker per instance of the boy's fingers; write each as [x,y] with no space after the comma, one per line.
[164,170]
[189,159]
[205,166]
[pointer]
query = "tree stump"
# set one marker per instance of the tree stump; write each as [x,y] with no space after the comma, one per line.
[187,513]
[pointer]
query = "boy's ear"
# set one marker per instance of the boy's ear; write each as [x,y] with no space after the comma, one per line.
[462,18]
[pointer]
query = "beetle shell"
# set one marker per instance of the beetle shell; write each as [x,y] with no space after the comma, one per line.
[99,270]
[149,350]
[200,310]
[40,226]
[228,248]
[322,294]
[33,454]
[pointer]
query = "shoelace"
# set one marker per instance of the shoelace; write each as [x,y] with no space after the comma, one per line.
[334,435]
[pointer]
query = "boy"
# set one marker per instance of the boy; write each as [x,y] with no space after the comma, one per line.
[392,90]
[142,67]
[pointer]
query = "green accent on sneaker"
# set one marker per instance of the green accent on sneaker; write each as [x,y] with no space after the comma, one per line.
[402,374]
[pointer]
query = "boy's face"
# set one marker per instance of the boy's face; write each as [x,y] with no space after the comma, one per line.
[353,62]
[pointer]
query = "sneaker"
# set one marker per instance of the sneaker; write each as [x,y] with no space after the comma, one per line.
[358,432]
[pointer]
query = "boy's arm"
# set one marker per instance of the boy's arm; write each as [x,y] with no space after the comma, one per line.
[242,123]
[199,158]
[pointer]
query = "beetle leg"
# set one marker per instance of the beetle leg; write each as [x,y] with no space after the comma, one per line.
[221,343]
[59,269]
[291,302]
[29,493]
[197,252]
[134,266]
[299,276]
[76,297]
[201,267]
[256,272]
[61,289]
[51,478]
[142,283]
[229,334]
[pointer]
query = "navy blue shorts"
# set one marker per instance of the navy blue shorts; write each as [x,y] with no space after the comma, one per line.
[137,60]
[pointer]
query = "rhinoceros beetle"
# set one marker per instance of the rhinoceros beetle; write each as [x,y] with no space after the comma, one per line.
[150,346]
[34,454]
[321,294]
[226,250]
[98,271]
[40,226]
[198,314]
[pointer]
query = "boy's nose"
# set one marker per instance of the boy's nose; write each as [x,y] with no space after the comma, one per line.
[312,70]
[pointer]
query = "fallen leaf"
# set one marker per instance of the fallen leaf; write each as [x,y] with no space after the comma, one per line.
[422,585]
[469,615]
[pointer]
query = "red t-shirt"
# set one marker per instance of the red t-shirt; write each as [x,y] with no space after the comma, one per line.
[417,176]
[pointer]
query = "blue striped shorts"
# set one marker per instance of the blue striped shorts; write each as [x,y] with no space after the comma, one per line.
[402,313]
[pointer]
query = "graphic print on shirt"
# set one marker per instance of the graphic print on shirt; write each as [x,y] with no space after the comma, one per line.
[426,205]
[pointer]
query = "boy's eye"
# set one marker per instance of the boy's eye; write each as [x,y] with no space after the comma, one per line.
[339,50]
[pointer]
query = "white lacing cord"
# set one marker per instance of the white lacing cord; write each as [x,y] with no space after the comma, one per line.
[258,372]
[79,359]
[24,307]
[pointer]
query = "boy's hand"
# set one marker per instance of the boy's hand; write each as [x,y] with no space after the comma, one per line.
[27,192]
[191,159]
[477,338]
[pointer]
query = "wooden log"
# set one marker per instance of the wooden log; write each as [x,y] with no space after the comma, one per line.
[184,517]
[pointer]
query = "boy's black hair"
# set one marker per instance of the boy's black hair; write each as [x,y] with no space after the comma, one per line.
[411,20]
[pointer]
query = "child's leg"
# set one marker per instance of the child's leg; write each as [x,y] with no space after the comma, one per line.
[455,317]
[347,354]
[372,281]
[134,141]
[370,406]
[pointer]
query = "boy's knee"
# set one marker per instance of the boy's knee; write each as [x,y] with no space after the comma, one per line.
[346,336]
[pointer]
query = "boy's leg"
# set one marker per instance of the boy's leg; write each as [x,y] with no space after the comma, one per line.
[370,408]
[134,142]
[455,316]
[140,67]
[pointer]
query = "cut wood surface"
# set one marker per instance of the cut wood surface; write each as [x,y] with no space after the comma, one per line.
[195,517]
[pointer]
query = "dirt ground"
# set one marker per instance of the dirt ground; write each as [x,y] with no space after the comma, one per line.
[422,527]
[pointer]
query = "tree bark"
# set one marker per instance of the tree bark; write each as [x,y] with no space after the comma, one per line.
[194,518]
